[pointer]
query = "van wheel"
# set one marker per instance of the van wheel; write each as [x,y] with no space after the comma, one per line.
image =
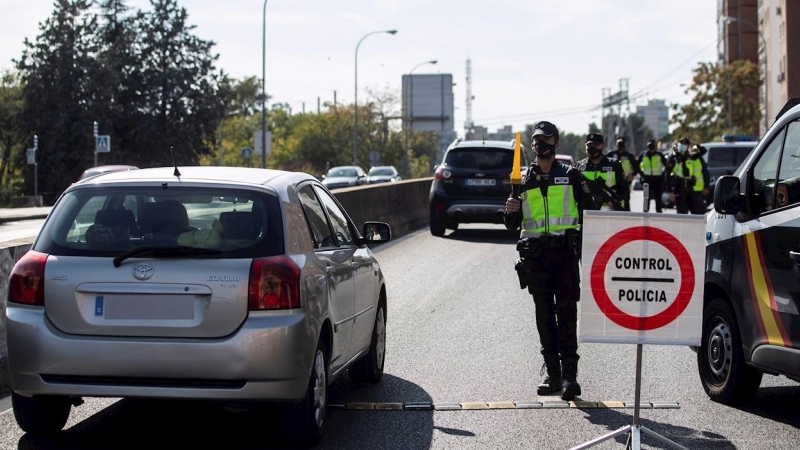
[42,414]
[303,422]
[437,228]
[369,368]
[720,360]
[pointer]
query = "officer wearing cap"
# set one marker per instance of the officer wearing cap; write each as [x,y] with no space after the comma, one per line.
[629,167]
[548,214]
[652,165]
[598,168]
[687,179]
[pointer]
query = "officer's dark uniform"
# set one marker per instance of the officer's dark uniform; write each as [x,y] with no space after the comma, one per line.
[549,220]
[629,166]
[652,165]
[606,169]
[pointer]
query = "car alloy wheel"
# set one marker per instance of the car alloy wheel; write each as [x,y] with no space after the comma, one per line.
[320,388]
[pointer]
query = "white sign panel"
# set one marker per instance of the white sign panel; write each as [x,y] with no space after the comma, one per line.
[102,144]
[257,149]
[31,154]
[642,278]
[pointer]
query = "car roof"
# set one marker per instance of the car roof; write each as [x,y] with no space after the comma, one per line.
[729,144]
[483,143]
[236,175]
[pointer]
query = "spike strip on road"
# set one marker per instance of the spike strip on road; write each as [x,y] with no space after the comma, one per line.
[475,406]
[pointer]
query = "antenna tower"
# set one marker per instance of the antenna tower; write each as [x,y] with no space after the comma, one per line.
[470,97]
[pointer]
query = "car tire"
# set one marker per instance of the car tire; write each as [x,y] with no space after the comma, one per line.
[369,368]
[725,376]
[437,228]
[42,414]
[304,422]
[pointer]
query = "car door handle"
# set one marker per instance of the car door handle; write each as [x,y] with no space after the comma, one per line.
[795,257]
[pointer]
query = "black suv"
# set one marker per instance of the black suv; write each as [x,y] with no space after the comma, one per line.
[723,158]
[472,184]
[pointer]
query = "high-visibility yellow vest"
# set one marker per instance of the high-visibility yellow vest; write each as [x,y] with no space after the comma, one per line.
[652,165]
[553,215]
[697,171]
[626,165]
[694,168]
[609,176]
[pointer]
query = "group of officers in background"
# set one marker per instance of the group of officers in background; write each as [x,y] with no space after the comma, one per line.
[682,174]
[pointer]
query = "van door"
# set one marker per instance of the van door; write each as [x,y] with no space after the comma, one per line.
[771,249]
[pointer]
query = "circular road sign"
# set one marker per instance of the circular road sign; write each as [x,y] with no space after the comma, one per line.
[598,282]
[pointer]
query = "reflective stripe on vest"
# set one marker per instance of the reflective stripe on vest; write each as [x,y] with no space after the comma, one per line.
[551,216]
[696,166]
[652,165]
[609,175]
[626,166]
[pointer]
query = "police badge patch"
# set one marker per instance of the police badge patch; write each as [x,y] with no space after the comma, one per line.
[561,180]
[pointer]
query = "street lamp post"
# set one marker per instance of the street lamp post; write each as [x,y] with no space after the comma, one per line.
[731,19]
[410,117]
[263,89]
[355,98]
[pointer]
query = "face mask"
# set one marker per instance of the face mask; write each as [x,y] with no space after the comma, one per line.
[682,147]
[650,150]
[544,150]
[620,148]
[594,152]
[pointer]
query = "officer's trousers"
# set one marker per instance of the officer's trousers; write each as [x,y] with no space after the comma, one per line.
[656,189]
[554,282]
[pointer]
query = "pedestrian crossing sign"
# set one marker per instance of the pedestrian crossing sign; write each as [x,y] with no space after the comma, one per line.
[102,144]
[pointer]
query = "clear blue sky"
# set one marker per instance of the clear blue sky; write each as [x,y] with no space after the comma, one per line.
[528,56]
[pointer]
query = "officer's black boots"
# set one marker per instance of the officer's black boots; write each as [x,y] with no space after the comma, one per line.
[571,387]
[552,382]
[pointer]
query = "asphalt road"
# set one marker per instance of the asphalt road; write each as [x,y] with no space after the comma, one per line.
[459,330]
[20,229]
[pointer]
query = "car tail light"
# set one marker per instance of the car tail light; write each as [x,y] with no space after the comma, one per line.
[26,284]
[274,284]
[441,174]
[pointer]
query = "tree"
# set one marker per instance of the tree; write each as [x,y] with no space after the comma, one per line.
[56,74]
[182,98]
[11,136]
[705,118]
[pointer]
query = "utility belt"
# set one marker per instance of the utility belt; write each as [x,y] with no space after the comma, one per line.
[531,247]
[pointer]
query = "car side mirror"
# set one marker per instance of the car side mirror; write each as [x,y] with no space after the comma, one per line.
[727,195]
[375,232]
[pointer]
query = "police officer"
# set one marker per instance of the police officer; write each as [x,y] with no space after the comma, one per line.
[598,168]
[702,178]
[685,185]
[652,164]
[630,167]
[548,212]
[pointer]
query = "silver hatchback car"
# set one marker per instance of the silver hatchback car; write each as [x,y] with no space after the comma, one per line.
[214,283]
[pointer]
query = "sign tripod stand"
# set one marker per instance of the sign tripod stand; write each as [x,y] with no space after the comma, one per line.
[636,429]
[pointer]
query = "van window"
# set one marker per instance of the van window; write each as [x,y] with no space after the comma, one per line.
[481,159]
[764,175]
[788,186]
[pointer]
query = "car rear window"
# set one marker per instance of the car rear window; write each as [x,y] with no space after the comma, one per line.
[381,172]
[727,156]
[333,173]
[481,159]
[102,221]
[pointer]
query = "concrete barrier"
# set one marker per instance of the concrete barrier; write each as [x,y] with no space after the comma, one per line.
[403,205]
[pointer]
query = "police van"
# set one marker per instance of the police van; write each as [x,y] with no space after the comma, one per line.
[751,323]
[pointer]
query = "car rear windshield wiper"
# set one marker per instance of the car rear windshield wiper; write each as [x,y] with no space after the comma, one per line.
[164,250]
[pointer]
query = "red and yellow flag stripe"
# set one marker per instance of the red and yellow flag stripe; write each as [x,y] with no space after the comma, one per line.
[763,295]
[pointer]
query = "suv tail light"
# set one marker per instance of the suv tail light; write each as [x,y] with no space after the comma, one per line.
[26,284]
[441,174]
[274,284]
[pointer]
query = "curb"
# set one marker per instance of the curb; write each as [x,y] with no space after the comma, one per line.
[19,218]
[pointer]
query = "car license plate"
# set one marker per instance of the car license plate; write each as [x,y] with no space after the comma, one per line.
[480,182]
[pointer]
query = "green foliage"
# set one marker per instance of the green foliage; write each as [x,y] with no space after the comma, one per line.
[145,78]
[705,118]
[12,140]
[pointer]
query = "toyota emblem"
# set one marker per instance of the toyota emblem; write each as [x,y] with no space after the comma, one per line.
[143,271]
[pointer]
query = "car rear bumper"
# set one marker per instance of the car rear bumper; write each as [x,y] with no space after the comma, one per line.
[267,358]
[467,210]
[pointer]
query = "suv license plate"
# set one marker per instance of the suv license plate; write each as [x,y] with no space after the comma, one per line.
[480,182]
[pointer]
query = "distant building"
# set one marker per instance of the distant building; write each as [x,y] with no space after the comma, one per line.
[478,132]
[656,116]
[428,106]
[738,32]
[779,59]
